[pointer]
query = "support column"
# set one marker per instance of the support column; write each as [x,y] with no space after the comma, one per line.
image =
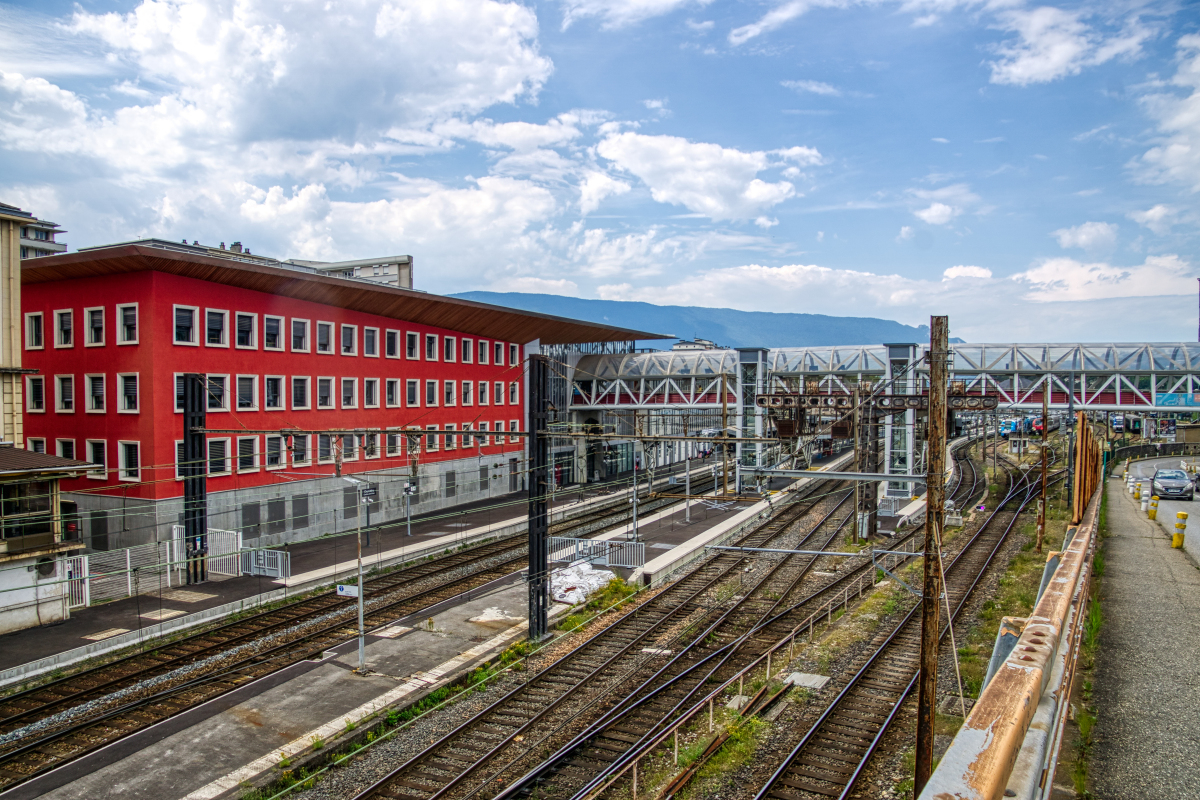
[539,516]
[195,478]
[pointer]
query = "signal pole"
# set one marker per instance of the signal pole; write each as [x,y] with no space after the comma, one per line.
[1041,518]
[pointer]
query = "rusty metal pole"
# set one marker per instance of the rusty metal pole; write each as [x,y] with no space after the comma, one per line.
[935,511]
[1041,518]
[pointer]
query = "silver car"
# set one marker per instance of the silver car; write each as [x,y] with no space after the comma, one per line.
[1173,483]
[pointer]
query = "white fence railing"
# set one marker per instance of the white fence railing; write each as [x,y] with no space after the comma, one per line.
[76,569]
[601,553]
[224,548]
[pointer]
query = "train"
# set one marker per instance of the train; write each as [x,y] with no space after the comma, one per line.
[1026,426]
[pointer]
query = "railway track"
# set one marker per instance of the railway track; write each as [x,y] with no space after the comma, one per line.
[566,695]
[56,722]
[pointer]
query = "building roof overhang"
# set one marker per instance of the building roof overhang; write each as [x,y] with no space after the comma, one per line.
[466,316]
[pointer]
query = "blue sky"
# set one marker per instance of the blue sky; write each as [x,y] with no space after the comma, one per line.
[1030,170]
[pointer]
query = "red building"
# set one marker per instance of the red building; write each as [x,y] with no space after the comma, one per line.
[111,331]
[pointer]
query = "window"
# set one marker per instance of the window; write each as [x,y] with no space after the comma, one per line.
[273,388]
[96,454]
[449,349]
[512,355]
[217,400]
[299,336]
[430,347]
[498,394]
[247,453]
[371,342]
[370,445]
[347,443]
[465,439]
[274,452]
[468,351]
[35,445]
[64,329]
[393,392]
[272,333]
[349,392]
[64,393]
[410,346]
[95,390]
[498,355]
[35,390]
[324,337]
[65,448]
[449,389]
[412,388]
[179,460]
[95,323]
[431,391]
[129,393]
[215,328]
[484,440]
[324,392]
[218,456]
[324,447]
[483,351]
[185,325]
[130,467]
[512,393]
[299,511]
[247,327]
[512,426]
[33,332]
[247,392]
[299,393]
[349,340]
[468,393]
[431,437]
[393,443]
[179,390]
[391,344]
[449,439]
[370,392]
[483,393]
[300,449]
[127,321]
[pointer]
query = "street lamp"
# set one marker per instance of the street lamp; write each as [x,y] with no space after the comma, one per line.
[366,493]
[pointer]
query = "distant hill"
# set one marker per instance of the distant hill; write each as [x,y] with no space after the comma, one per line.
[725,326]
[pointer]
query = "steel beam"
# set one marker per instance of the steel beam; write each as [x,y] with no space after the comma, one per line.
[195,471]
[841,476]
[539,494]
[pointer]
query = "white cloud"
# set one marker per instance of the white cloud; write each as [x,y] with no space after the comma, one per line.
[719,182]
[966,272]
[1088,236]
[1159,218]
[945,203]
[778,17]
[701,27]
[1176,158]
[816,87]
[531,285]
[940,140]
[521,136]
[621,13]
[1065,279]
[906,233]
[595,187]
[598,254]
[766,222]
[937,213]
[1054,43]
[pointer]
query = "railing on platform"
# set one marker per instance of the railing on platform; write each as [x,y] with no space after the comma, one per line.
[76,570]
[598,552]
[268,563]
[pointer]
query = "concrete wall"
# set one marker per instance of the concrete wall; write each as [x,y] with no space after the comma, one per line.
[27,599]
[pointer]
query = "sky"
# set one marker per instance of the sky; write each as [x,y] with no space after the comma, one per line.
[1032,171]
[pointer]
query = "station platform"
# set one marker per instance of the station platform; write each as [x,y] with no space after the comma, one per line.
[1145,692]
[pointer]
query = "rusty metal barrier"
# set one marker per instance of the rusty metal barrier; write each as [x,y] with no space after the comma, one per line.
[1011,738]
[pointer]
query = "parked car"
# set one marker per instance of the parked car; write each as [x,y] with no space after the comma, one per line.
[1168,483]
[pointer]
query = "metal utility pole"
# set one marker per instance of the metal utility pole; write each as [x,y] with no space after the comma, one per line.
[687,489]
[195,486]
[1071,445]
[935,517]
[1041,518]
[856,432]
[724,433]
[539,516]
[362,639]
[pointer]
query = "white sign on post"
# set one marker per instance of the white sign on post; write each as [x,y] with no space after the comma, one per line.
[347,590]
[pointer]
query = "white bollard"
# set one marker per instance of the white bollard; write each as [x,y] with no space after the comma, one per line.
[1145,499]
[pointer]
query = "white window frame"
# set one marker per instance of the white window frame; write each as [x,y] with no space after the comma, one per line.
[389,384]
[121,340]
[408,336]
[308,392]
[363,446]
[41,321]
[333,392]
[497,396]
[449,394]
[224,327]
[341,396]
[283,387]
[87,319]
[466,393]
[429,338]
[233,331]
[58,449]
[57,346]
[87,390]
[341,331]
[399,343]
[332,449]
[465,440]
[450,432]
[481,393]
[121,393]
[514,355]
[333,343]
[228,391]
[436,390]
[467,352]
[97,474]
[229,456]
[498,347]
[29,440]
[393,452]
[179,459]
[238,455]
[353,454]
[449,349]
[195,342]
[59,408]
[122,467]
[514,393]
[485,346]
[237,390]
[29,379]
[432,434]
[308,344]
[365,403]
[283,333]
[410,382]
[308,452]
[486,439]
[514,425]
[364,342]
[266,451]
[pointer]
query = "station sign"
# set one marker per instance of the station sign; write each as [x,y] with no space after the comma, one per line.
[347,590]
[369,493]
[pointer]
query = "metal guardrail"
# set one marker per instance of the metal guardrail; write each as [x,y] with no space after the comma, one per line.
[599,552]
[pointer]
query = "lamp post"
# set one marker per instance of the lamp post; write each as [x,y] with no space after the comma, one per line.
[364,494]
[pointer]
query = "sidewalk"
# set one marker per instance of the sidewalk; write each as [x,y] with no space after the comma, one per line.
[1146,741]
